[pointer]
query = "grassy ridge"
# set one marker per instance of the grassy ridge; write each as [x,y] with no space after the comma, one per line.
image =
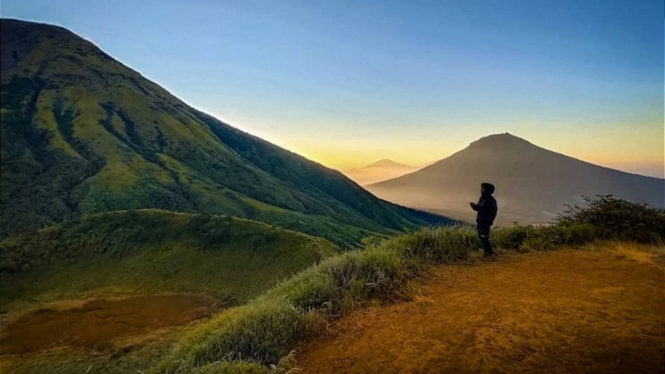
[153,251]
[267,328]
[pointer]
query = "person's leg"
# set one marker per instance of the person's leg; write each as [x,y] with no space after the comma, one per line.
[488,245]
[484,233]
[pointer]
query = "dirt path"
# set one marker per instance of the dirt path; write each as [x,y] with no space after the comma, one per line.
[101,324]
[568,311]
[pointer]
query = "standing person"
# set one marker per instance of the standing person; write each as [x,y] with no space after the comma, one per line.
[487,209]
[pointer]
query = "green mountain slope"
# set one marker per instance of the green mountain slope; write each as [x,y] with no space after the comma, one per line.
[153,251]
[82,133]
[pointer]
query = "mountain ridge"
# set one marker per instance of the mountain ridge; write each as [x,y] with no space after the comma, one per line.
[83,133]
[387,162]
[533,183]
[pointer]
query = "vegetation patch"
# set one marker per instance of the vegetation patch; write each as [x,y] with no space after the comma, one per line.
[268,327]
[618,219]
[152,251]
[644,254]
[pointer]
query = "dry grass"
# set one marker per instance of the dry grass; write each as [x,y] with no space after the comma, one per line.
[644,254]
[475,258]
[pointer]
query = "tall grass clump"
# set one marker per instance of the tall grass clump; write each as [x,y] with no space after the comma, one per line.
[378,272]
[261,332]
[544,238]
[641,253]
[511,237]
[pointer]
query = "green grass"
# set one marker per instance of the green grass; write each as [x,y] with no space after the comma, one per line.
[152,251]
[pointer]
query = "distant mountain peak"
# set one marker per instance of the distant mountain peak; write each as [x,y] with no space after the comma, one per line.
[386,163]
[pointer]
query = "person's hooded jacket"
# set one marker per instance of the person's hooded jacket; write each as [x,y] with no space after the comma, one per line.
[486,207]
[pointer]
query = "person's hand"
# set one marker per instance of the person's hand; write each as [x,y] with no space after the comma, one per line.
[472,204]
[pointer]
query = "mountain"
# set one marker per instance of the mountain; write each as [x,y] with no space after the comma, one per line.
[532,183]
[387,163]
[152,251]
[82,133]
[379,171]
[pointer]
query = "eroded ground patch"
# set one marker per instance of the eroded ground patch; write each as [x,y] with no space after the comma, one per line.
[100,324]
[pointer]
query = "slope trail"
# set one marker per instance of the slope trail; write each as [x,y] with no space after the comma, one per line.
[582,311]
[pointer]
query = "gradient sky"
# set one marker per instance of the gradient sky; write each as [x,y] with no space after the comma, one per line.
[346,83]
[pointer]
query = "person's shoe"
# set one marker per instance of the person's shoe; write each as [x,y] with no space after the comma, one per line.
[490,255]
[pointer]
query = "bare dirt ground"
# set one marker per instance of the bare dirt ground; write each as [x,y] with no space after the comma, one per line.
[101,324]
[567,311]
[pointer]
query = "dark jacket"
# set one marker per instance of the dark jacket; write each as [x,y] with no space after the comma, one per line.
[486,206]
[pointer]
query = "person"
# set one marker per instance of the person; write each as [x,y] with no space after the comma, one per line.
[487,210]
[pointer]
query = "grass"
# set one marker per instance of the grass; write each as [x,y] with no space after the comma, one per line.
[152,251]
[268,327]
[637,252]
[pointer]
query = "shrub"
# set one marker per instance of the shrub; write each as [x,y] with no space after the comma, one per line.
[617,219]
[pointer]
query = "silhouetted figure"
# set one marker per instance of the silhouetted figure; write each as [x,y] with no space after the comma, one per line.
[487,209]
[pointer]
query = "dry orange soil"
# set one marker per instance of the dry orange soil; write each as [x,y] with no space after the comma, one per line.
[567,311]
[101,324]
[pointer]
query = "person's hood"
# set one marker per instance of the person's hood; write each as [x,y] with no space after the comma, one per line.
[489,188]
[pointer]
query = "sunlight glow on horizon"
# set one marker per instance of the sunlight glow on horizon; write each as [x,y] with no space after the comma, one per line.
[348,83]
[617,146]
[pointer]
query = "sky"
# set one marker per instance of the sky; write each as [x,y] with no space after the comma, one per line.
[346,83]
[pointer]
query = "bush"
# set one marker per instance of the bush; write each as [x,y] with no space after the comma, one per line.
[617,219]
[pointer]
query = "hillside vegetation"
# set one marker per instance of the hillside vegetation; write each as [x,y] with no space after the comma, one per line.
[152,251]
[266,329]
[82,133]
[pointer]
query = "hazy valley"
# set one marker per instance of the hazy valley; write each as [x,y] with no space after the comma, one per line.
[379,171]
